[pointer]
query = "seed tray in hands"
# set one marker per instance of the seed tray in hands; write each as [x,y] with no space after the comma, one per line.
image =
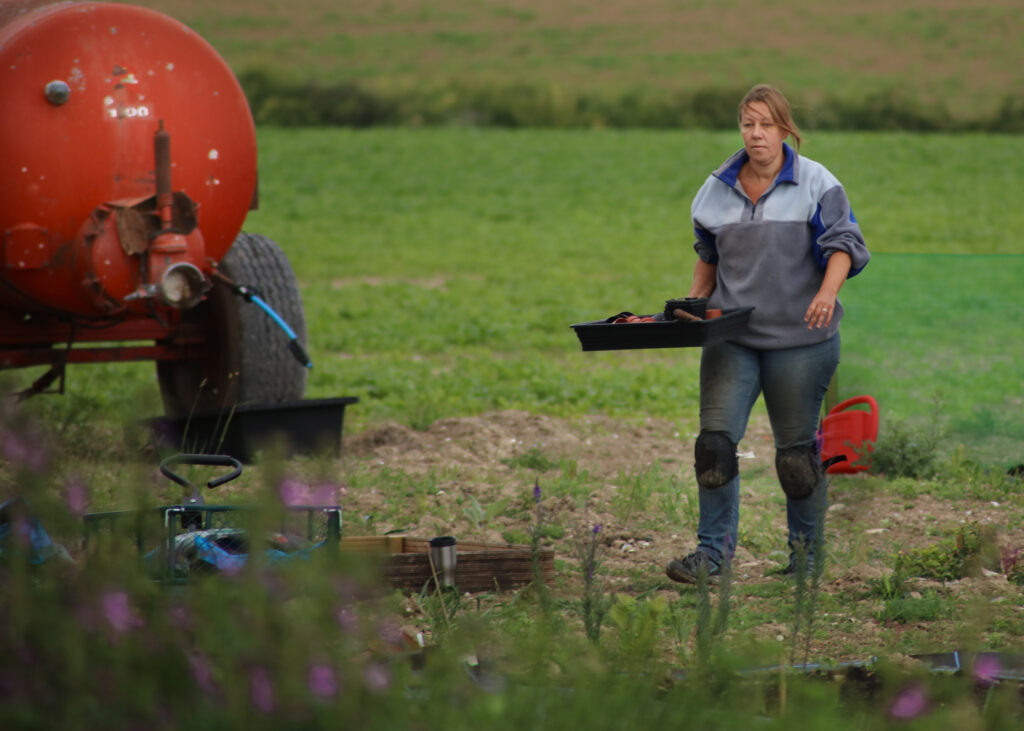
[607,335]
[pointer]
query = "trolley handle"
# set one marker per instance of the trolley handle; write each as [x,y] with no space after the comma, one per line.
[212,460]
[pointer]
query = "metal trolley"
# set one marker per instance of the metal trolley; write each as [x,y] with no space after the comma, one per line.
[190,539]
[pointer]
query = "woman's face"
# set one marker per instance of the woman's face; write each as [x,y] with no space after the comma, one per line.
[762,136]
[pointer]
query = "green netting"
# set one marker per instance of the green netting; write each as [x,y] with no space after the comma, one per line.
[941,337]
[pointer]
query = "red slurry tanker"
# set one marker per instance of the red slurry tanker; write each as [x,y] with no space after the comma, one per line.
[127,168]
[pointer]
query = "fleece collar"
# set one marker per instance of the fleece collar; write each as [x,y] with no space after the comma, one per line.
[729,172]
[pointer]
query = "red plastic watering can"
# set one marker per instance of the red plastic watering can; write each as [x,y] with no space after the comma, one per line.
[845,431]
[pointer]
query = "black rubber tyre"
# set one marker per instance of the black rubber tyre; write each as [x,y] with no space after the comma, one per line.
[246,359]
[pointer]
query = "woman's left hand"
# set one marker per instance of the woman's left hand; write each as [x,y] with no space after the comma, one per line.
[820,311]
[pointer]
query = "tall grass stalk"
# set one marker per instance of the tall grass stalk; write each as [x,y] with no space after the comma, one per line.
[594,603]
[709,628]
[810,569]
[539,586]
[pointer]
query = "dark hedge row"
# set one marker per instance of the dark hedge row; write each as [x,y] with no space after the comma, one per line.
[346,103]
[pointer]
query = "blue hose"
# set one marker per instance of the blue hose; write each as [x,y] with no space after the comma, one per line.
[293,343]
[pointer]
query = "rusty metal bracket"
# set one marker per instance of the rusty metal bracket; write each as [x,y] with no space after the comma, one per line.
[56,371]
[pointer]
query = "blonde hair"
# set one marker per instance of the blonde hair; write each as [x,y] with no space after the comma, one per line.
[777,104]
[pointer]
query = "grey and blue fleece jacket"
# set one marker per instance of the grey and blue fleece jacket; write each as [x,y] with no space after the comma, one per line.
[772,255]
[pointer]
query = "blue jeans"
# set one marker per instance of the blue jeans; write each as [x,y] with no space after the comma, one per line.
[794,382]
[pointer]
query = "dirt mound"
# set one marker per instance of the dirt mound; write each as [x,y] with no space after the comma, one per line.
[388,439]
[601,445]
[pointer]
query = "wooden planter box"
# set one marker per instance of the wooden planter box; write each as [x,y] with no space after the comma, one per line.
[479,566]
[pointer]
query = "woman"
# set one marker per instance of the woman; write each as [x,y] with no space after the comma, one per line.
[774,231]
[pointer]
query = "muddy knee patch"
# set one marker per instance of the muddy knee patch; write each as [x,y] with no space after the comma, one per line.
[799,470]
[714,459]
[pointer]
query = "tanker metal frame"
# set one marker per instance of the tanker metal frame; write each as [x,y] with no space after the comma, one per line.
[127,169]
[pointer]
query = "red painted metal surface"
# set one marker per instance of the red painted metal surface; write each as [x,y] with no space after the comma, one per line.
[83,231]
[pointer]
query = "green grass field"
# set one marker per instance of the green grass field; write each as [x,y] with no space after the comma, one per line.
[962,55]
[441,269]
[478,250]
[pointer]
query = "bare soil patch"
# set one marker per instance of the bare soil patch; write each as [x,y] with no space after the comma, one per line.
[637,484]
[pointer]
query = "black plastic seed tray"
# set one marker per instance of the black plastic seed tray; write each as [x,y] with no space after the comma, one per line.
[312,426]
[606,335]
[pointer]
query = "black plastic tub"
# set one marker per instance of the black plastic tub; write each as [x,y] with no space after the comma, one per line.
[310,427]
[606,335]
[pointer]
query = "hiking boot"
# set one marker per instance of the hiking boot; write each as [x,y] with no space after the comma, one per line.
[790,569]
[787,570]
[689,570]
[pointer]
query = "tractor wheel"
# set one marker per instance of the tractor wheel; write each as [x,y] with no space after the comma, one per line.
[246,357]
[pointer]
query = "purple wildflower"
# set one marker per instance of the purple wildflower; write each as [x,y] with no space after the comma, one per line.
[391,633]
[25,450]
[322,681]
[536,491]
[77,497]
[377,677]
[202,672]
[298,494]
[347,619]
[180,618]
[347,589]
[119,612]
[910,703]
[329,494]
[293,492]
[987,669]
[261,689]
[597,529]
